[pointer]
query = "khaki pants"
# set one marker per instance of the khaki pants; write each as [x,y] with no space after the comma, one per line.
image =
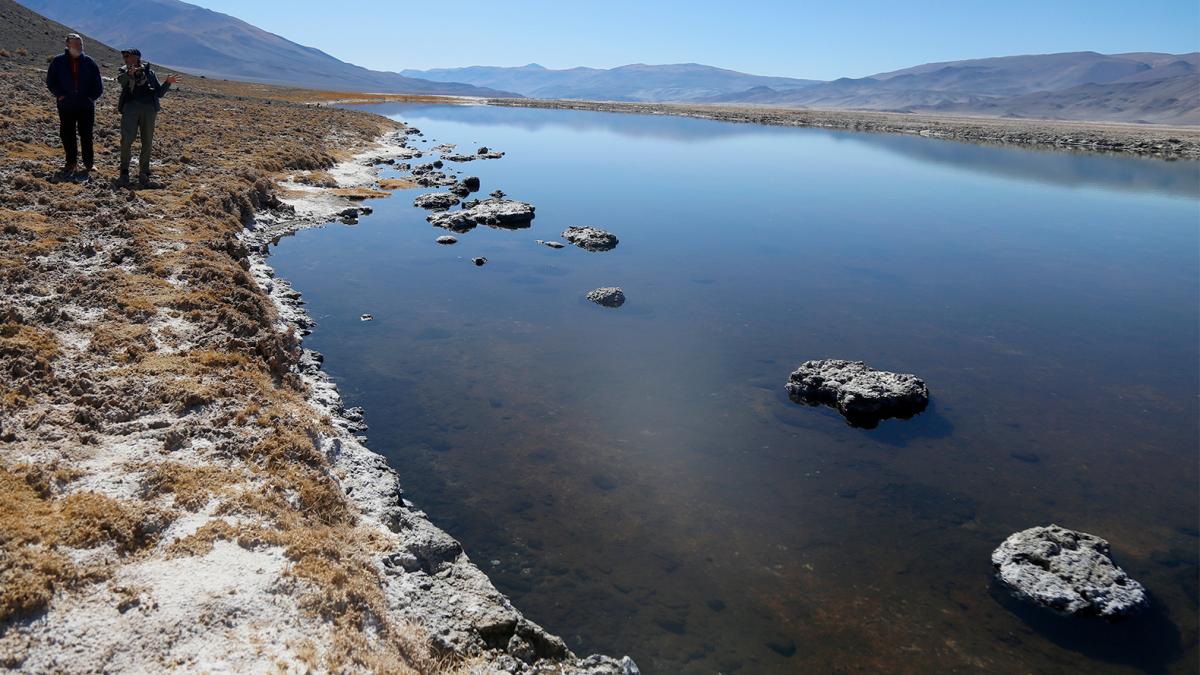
[137,119]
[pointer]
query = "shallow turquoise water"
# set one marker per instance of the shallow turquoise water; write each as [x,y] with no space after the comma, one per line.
[636,480]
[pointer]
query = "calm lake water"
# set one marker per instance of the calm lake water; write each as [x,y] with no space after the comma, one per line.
[637,480]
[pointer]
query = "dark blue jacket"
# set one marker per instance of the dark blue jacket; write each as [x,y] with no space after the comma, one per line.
[60,82]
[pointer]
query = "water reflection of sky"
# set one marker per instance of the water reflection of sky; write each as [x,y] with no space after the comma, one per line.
[639,476]
[1180,178]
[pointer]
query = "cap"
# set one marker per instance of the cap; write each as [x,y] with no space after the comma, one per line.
[135,52]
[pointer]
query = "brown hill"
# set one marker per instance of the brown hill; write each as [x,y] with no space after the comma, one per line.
[28,38]
[202,41]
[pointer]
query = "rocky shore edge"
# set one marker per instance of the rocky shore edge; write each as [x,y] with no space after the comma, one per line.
[1103,137]
[429,578]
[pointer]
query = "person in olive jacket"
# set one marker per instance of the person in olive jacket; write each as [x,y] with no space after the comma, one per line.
[138,105]
[74,79]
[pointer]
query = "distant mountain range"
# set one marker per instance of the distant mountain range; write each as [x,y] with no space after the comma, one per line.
[636,82]
[204,42]
[1138,87]
[1134,87]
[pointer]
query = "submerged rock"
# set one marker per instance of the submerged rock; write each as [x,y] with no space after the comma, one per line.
[480,261]
[862,394]
[551,244]
[436,200]
[1067,571]
[446,240]
[471,183]
[590,238]
[607,296]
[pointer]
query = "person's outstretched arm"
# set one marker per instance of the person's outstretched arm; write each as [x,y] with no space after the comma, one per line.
[159,89]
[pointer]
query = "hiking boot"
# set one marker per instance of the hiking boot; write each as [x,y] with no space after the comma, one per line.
[123,180]
[145,182]
[69,169]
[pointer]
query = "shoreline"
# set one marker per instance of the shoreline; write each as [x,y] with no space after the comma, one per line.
[184,486]
[1163,142]
[454,599]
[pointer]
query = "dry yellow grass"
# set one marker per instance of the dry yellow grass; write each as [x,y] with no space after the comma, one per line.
[36,524]
[397,184]
[129,259]
[360,193]
[316,179]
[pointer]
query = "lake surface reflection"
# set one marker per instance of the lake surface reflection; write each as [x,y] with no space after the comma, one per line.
[637,480]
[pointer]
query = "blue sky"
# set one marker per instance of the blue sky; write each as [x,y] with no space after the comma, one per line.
[822,40]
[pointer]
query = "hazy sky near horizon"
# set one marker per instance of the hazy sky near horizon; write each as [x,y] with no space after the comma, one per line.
[799,38]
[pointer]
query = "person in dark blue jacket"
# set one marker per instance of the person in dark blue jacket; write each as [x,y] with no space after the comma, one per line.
[74,79]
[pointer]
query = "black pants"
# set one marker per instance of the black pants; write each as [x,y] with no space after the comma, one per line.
[77,118]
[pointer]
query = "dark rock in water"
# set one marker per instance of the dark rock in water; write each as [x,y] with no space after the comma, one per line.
[471,183]
[460,190]
[437,164]
[447,240]
[1067,571]
[455,221]
[458,158]
[862,394]
[434,179]
[479,262]
[672,625]
[608,296]
[366,210]
[436,200]
[502,213]
[590,238]
[439,201]
[349,221]
[497,194]
[786,649]
[350,213]
[487,153]
[505,213]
